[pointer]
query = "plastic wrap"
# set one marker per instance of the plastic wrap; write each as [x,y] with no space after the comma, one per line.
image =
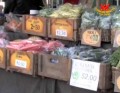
[3,34]
[105,22]
[53,45]
[74,52]
[89,19]
[116,20]
[46,12]
[67,11]
[14,23]
[3,43]
[61,52]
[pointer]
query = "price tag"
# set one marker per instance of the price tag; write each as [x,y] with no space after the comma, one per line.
[61,33]
[34,24]
[85,74]
[20,63]
[62,28]
[91,37]
[117,39]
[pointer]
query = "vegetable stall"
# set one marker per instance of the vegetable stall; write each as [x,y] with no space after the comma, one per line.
[71,48]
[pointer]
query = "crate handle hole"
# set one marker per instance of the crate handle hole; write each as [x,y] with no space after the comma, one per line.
[54,61]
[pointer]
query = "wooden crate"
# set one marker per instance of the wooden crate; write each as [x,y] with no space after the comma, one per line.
[65,29]
[3,56]
[35,25]
[22,62]
[106,35]
[105,80]
[55,67]
[116,79]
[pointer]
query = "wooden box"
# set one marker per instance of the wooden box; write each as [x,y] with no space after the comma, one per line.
[22,62]
[35,25]
[105,80]
[3,56]
[55,67]
[65,29]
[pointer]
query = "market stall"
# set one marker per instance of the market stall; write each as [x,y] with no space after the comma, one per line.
[70,48]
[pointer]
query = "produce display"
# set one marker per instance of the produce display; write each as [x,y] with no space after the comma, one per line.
[85,53]
[115,58]
[3,38]
[67,11]
[105,22]
[116,20]
[34,45]
[13,23]
[53,47]
[89,19]
[46,12]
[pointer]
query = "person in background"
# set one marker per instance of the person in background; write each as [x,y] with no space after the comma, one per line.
[22,6]
[72,1]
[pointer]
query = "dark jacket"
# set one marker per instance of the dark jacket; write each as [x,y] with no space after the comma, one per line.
[22,6]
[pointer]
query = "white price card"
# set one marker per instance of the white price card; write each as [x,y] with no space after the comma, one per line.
[61,33]
[21,63]
[85,74]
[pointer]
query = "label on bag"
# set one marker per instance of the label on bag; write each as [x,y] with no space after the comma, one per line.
[21,63]
[61,33]
[117,39]
[34,24]
[85,74]
[91,37]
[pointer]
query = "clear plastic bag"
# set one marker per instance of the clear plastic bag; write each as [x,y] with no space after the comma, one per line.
[89,19]
[105,22]
[13,23]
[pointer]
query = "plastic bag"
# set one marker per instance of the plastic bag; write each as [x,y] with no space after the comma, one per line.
[89,19]
[61,52]
[14,23]
[3,34]
[105,22]
[116,20]
[74,52]
[3,43]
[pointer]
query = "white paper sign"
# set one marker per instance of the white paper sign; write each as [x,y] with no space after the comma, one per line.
[21,63]
[61,33]
[85,74]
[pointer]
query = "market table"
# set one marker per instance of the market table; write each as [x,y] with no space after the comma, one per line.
[19,83]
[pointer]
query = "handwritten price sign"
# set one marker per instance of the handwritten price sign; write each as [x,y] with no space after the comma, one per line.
[117,39]
[91,37]
[85,74]
[34,24]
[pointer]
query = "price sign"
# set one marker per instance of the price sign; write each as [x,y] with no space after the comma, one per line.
[117,39]
[20,63]
[91,37]
[62,28]
[61,33]
[85,74]
[34,24]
